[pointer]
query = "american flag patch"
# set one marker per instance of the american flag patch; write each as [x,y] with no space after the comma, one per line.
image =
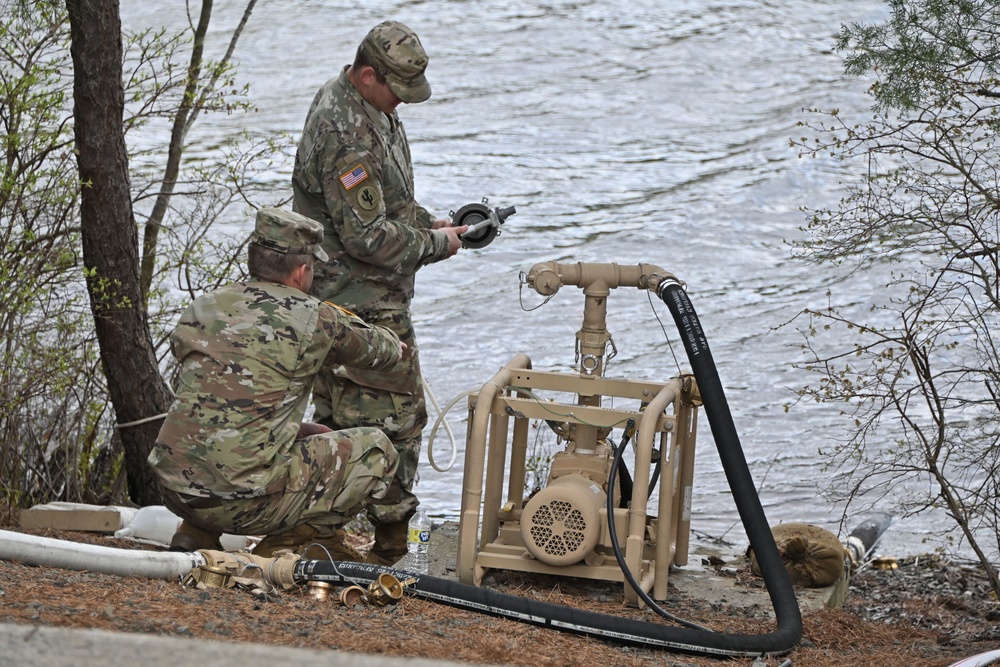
[353,177]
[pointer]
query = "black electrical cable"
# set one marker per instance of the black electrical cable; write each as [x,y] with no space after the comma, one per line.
[613,534]
[655,477]
[626,480]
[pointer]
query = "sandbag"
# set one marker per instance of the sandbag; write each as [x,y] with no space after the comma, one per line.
[813,556]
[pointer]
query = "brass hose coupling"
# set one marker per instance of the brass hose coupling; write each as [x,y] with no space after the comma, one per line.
[353,596]
[320,590]
[209,576]
[385,589]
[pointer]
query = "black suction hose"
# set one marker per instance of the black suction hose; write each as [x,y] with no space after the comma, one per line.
[727,442]
[684,639]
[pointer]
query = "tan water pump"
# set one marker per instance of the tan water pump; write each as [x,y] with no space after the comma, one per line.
[564,529]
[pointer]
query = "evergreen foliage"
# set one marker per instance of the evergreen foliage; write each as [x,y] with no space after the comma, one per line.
[924,362]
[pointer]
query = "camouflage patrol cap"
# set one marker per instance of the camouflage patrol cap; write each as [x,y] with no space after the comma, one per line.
[396,53]
[287,232]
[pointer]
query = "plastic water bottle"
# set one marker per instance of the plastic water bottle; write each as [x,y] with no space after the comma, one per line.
[418,540]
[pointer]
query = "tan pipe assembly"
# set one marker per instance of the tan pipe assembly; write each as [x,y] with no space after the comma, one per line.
[475,457]
[563,529]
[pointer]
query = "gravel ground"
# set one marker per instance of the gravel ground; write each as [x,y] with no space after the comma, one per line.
[928,612]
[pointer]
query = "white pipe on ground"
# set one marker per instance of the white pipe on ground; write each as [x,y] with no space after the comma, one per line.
[981,660]
[35,550]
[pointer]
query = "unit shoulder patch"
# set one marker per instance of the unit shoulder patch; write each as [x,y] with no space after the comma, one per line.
[368,198]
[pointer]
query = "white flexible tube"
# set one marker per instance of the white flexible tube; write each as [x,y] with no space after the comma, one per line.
[35,550]
[981,660]
[447,427]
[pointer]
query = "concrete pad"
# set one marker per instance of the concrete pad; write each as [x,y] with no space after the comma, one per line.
[697,580]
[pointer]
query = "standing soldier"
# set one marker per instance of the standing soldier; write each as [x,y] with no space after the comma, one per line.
[353,173]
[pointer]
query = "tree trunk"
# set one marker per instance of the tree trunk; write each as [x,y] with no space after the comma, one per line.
[110,238]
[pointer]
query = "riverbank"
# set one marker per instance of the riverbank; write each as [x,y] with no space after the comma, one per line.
[928,612]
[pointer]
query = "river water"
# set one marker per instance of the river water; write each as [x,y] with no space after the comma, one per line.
[652,131]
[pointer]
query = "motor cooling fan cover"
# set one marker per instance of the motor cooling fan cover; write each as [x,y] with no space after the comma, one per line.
[560,524]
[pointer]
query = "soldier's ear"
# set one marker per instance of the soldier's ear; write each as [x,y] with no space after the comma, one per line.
[367,75]
[301,277]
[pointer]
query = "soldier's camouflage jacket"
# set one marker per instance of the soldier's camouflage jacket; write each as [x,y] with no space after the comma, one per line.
[249,354]
[353,173]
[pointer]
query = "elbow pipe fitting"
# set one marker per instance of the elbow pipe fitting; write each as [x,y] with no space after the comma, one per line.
[547,277]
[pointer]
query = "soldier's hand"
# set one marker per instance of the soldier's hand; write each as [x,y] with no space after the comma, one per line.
[454,238]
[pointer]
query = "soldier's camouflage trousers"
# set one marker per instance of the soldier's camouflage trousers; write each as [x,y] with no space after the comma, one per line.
[331,477]
[392,401]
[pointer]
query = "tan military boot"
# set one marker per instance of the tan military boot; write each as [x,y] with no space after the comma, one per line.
[192,538]
[307,542]
[390,543]
[332,546]
[289,540]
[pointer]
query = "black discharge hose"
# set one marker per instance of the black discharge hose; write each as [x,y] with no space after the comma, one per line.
[612,628]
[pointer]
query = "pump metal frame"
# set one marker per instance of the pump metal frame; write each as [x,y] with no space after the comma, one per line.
[649,543]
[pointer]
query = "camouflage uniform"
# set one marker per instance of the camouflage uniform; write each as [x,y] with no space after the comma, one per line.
[228,455]
[353,172]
